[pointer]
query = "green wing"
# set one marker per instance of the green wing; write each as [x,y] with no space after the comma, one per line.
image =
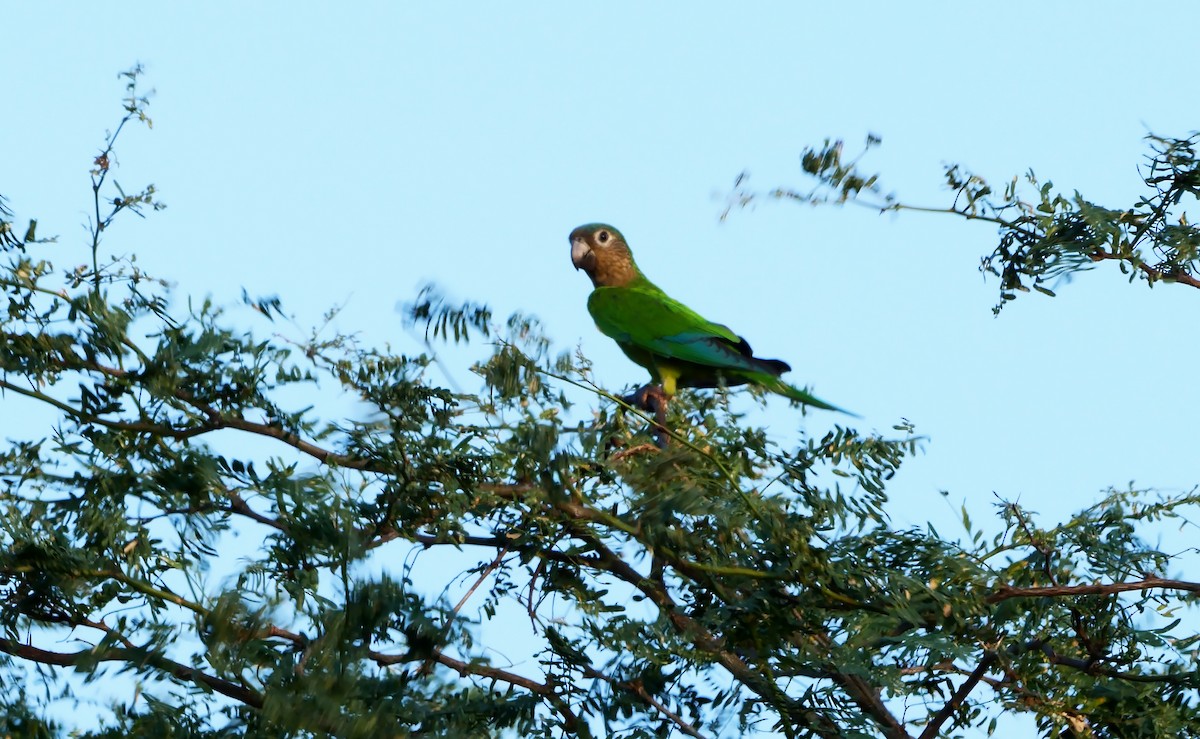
[647,319]
[657,332]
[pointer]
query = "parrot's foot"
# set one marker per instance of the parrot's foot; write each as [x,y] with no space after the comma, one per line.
[652,398]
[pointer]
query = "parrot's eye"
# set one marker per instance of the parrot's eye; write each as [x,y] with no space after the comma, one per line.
[602,237]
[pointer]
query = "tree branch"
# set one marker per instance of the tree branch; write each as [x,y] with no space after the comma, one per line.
[464,669]
[637,688]
[1183,278]
[1008,592]
[933,728]
[134,657]
[1090,667]
[700,637]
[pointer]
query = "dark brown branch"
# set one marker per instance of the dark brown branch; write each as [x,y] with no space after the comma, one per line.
[214,420]
[861,692]
[934,727]
[867,698]
[1007,592]
[465,669]
[638,689]
[275,432]
[1153,273]
[1090,667]
[239,506]
[134,657]
[700,637]
[655,591]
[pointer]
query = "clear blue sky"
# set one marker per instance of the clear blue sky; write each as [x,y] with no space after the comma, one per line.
[349,153]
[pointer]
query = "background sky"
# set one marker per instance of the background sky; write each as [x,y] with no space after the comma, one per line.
[349,154]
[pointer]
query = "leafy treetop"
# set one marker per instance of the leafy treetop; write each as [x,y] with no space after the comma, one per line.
[725,584]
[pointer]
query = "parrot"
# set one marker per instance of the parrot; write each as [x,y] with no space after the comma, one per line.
[674,343]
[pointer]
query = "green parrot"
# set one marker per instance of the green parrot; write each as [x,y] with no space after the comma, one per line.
[678,346]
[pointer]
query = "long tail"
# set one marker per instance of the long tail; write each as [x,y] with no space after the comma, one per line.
[776,385]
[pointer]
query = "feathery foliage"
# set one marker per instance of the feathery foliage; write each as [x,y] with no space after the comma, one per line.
[170,514]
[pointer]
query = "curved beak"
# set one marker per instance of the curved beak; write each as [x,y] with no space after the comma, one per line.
[581,254]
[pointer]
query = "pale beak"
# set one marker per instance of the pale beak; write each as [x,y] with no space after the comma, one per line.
[581,253]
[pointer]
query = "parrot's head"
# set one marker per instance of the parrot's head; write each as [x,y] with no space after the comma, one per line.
[601,251]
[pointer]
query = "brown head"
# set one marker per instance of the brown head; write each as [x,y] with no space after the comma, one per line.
[601,251]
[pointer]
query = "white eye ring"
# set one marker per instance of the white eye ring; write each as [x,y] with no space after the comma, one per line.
[602,237]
